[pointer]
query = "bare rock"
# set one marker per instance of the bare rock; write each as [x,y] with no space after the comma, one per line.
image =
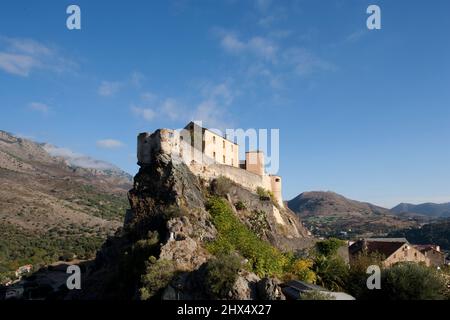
[269,289]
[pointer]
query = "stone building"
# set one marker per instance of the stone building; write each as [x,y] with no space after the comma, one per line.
[433,253]
[210,155]
[392,250]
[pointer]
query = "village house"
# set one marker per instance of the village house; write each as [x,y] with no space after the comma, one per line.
[209,155]
[433,253]
[393,250]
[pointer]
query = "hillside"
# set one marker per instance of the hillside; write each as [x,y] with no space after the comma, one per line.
[432,210]
[53,207]
[433,233]
[331,214]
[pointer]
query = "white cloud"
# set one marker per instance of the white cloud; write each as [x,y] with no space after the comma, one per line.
[145,113]
[77,159]
[17,64]
[305,62]
[211,109]
[232,44]
[40,107]
[20,57]
[109,144]
[258,46]
[148,97]
[108,89]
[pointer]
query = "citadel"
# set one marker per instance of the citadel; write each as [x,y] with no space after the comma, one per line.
[209,155]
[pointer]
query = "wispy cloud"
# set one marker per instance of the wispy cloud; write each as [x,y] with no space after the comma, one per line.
[144,113]
[211,107]
[39,107]
[111,88]
[304,62]
[258,46]
[355,36]
[109,144]
[77,159]
[17,64]
[108,89]
[21,57]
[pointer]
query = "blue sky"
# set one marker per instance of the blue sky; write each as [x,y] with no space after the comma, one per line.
[362,113]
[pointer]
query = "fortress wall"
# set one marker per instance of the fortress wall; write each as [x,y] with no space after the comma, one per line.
[178,146]
[245,178]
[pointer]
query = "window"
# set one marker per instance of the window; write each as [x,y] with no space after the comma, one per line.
[214,139]
[277,180]
[223,159]
[214,155]
[223,144]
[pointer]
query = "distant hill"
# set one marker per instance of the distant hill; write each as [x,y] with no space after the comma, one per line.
[426,209]
[432,233]
[328,213]
[54,202]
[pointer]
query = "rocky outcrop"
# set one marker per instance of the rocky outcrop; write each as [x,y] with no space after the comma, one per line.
[168,220]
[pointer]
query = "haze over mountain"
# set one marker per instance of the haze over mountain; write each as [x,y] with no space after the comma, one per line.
[55,202]
[328,213]
[429,209]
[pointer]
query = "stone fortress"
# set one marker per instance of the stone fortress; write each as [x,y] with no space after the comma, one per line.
[209,155]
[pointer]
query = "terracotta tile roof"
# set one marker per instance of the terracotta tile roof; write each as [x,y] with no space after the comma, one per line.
[386,247]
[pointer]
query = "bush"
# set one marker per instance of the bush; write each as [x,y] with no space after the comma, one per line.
[233,235]
[411,281]
[301,269]
[331,272]
[240,205]
[221,274]
[221,186]
[328,247]
[158,275]
[356,282]
[264,195]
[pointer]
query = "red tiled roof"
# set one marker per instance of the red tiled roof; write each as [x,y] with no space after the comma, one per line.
[386,248]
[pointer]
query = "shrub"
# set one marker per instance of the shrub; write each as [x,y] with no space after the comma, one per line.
[240,205]
[264,195]
[221,274]
[331,272]
[412,281]
[258,222]
[328,247]
[316,295]
[356,282]
[233,235]
[301,269]
[221,186]
[158,275]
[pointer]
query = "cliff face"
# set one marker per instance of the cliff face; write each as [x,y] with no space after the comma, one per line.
[169,227]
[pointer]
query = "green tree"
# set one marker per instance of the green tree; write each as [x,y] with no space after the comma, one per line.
[412,281]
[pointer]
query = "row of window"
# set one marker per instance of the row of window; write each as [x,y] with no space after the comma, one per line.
[223,143]
[224,159]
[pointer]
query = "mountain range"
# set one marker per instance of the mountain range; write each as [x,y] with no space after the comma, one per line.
[434,210]
[331,214]
[55,202]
